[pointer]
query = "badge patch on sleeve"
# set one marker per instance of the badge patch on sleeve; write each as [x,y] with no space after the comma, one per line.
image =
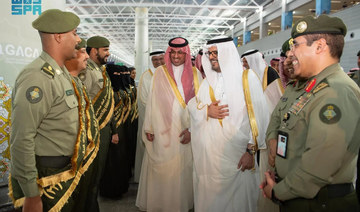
[34,94]
[330,114]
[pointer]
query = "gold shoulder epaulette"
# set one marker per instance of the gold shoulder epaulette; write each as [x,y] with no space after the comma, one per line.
[91,66]
[47,69]
[323,84]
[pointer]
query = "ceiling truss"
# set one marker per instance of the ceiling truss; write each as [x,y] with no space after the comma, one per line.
[196,20]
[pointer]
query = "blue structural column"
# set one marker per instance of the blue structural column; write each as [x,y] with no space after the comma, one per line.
[247,37]
[323,7]
[286,20]
[235,39]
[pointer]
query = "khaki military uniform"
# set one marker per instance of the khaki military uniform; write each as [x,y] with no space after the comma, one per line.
[54,145]
[92,79]
[44,119]
[355,75]
[321,118]
[103,101]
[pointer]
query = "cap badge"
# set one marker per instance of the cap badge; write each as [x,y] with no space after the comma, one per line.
[301,27]
[291,41]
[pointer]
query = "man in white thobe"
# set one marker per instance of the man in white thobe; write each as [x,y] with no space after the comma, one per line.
[157,59]
[273,90]
[270,80]
[166,174]
[224,143]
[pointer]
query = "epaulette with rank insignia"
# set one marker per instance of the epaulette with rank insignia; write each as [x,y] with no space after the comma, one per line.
[323,84]
[47,69]
[91,66]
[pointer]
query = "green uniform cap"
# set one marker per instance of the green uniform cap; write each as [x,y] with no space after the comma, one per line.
[98,42]
[56,21]
[82,44]
[286,46]
[323,24]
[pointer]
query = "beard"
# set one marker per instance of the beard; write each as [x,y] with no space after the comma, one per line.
[102,60]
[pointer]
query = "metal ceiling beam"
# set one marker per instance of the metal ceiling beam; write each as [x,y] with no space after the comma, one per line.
[159,25]
[221,7]
[160,17]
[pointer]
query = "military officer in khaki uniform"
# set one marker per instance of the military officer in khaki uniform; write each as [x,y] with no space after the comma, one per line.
[354,73]
[46,124]
[98,85]
[75,66]
[317,140]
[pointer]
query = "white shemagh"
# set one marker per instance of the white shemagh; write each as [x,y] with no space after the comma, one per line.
[151,66]
[257,64]
[231,71]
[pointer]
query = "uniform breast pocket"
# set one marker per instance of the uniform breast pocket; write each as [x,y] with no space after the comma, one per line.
[296,129]
[71,101]
[282,106]
[100,83]
[291,123]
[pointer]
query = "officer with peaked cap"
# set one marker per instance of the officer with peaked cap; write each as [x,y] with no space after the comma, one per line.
[319,124]
[98,85]
[49,149]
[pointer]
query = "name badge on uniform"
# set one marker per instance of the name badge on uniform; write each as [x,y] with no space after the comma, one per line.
[282,142]
[69,92]
[101,80]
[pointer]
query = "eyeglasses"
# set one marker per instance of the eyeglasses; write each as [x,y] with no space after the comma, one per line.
[212,53]
[294,45]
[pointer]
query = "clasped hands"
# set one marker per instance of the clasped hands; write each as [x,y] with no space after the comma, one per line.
[185,134]
[267,185]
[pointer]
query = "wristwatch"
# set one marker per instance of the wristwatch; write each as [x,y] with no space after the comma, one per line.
[251,151]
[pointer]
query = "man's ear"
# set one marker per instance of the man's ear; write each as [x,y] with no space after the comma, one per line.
[58,37]
[93,51]
[321,45]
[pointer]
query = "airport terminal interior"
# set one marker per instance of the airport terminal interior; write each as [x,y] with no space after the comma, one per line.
[137,27]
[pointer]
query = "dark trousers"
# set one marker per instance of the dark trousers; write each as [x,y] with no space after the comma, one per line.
[98,170]
[322,202]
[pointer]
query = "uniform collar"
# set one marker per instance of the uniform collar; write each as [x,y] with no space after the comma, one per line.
[312,82]
[92,63]
[323,74]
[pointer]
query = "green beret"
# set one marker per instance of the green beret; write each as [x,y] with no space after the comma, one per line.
[98,42]
[56,21]
[323,24]
[286,46]
[82,44]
